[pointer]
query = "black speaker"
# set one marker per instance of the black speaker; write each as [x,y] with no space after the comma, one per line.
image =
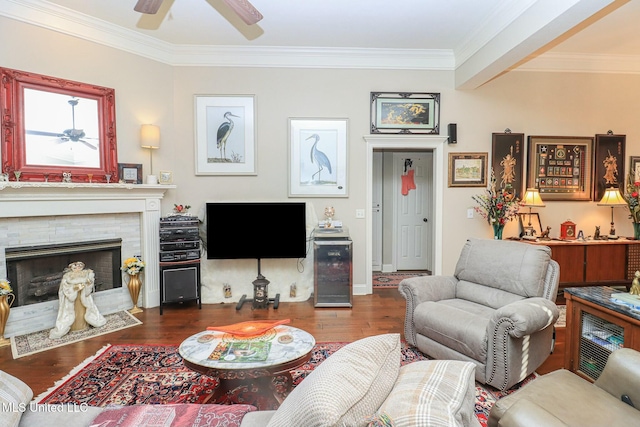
[453,133]
[179,283]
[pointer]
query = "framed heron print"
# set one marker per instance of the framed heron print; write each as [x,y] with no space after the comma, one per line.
[318,157]
[225,135]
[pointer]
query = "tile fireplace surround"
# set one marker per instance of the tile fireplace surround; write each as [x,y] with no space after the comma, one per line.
[45,213]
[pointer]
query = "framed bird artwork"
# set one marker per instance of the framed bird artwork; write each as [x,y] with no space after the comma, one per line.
[317,157]
[225,135]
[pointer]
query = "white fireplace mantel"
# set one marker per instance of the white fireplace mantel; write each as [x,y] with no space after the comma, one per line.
[39,199]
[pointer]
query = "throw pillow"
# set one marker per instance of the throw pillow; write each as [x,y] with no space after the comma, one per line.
[179,415]
[14,399]
[432,393]
[345,389]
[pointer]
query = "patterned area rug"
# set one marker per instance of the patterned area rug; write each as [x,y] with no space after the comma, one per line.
[392,280]
[137,374]
[25,345]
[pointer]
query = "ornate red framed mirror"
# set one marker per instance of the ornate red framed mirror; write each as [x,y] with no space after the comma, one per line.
[52,126]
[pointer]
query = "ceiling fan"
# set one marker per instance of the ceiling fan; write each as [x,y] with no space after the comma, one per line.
[242,8]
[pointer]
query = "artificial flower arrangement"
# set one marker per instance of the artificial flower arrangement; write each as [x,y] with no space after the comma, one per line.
[632,197]
[181,208]
[497,206]
[132,266]
[5,287]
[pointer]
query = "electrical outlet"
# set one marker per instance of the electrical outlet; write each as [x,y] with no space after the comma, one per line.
[470,213]
[359,213]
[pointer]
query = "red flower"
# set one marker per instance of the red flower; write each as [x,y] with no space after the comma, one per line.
[634,194]
[636,184]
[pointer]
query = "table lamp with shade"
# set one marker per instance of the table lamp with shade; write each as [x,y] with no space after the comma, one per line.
[531,199]
[150,139]
[613,198]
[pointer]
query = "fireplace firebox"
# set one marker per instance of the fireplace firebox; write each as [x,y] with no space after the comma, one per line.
[35,272]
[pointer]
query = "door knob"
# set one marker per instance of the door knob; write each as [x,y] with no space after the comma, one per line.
[424,220]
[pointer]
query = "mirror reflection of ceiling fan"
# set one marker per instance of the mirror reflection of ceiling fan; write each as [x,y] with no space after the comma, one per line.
[242,8]
[73,134]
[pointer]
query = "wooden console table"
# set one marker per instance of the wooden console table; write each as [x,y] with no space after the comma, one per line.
[597,326]
[595,262]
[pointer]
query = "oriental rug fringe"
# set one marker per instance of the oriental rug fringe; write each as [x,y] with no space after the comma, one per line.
[155,374]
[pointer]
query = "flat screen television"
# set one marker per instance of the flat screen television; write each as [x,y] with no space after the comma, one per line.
[256,230]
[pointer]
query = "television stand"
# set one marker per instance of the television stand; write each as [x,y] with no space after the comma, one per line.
[260,294]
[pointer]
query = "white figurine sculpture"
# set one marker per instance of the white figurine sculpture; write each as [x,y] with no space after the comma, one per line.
[76,283]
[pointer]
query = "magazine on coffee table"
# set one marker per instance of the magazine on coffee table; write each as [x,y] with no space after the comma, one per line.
[241,351]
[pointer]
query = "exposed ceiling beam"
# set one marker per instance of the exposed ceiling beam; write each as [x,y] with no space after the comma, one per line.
[543,22]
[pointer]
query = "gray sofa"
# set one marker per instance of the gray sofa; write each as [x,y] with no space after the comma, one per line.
[362,382]
[563,399]
[497,310]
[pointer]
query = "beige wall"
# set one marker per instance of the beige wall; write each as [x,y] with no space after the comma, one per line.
[147,91]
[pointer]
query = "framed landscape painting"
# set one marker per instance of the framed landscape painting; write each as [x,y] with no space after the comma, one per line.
[405,113]
[468,169]
[225,135]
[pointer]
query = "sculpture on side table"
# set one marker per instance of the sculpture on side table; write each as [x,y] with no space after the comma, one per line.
[635,285]
[75,299]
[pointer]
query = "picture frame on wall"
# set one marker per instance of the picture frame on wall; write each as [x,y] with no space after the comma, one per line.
[405,113]
[634,167]
[560,167]
[507,161]
[468,169]
[225,135]
[130,173]
[609,159]
[318,157]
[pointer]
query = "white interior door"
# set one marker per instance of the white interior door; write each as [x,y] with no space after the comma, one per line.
[376,212]
[412,211]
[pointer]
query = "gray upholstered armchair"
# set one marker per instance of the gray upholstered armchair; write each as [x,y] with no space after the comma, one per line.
[498,310]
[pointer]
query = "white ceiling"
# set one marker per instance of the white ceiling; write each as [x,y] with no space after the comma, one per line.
[479,39]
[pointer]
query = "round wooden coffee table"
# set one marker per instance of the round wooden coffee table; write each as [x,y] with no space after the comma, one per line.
[239,361]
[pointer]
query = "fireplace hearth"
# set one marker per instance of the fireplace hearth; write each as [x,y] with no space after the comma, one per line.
[35,272]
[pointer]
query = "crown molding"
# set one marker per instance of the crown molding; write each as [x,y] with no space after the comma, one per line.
[66,21]
[53,17]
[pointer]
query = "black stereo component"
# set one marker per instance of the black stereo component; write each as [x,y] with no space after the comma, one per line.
[166,256]
[174,234]
[180,282]
[179,245]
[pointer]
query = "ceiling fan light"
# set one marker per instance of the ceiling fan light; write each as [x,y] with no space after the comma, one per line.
[148,6]
[245,11]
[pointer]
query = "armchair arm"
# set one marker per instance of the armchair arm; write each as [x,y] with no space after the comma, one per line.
[621,375]
[526,316]
[520,337]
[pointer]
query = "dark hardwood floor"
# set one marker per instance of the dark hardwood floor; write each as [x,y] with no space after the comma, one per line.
[379,313]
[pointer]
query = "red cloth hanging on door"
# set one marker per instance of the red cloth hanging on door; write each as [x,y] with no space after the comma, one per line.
[408,182]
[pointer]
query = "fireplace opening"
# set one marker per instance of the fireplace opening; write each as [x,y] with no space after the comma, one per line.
[35,272]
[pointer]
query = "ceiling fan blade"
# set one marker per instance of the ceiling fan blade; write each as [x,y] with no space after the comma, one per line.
[148,6]
[244,10]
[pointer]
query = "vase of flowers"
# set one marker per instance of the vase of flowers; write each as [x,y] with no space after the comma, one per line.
[632,197]
[497,206]
[133,267]
[6,299]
